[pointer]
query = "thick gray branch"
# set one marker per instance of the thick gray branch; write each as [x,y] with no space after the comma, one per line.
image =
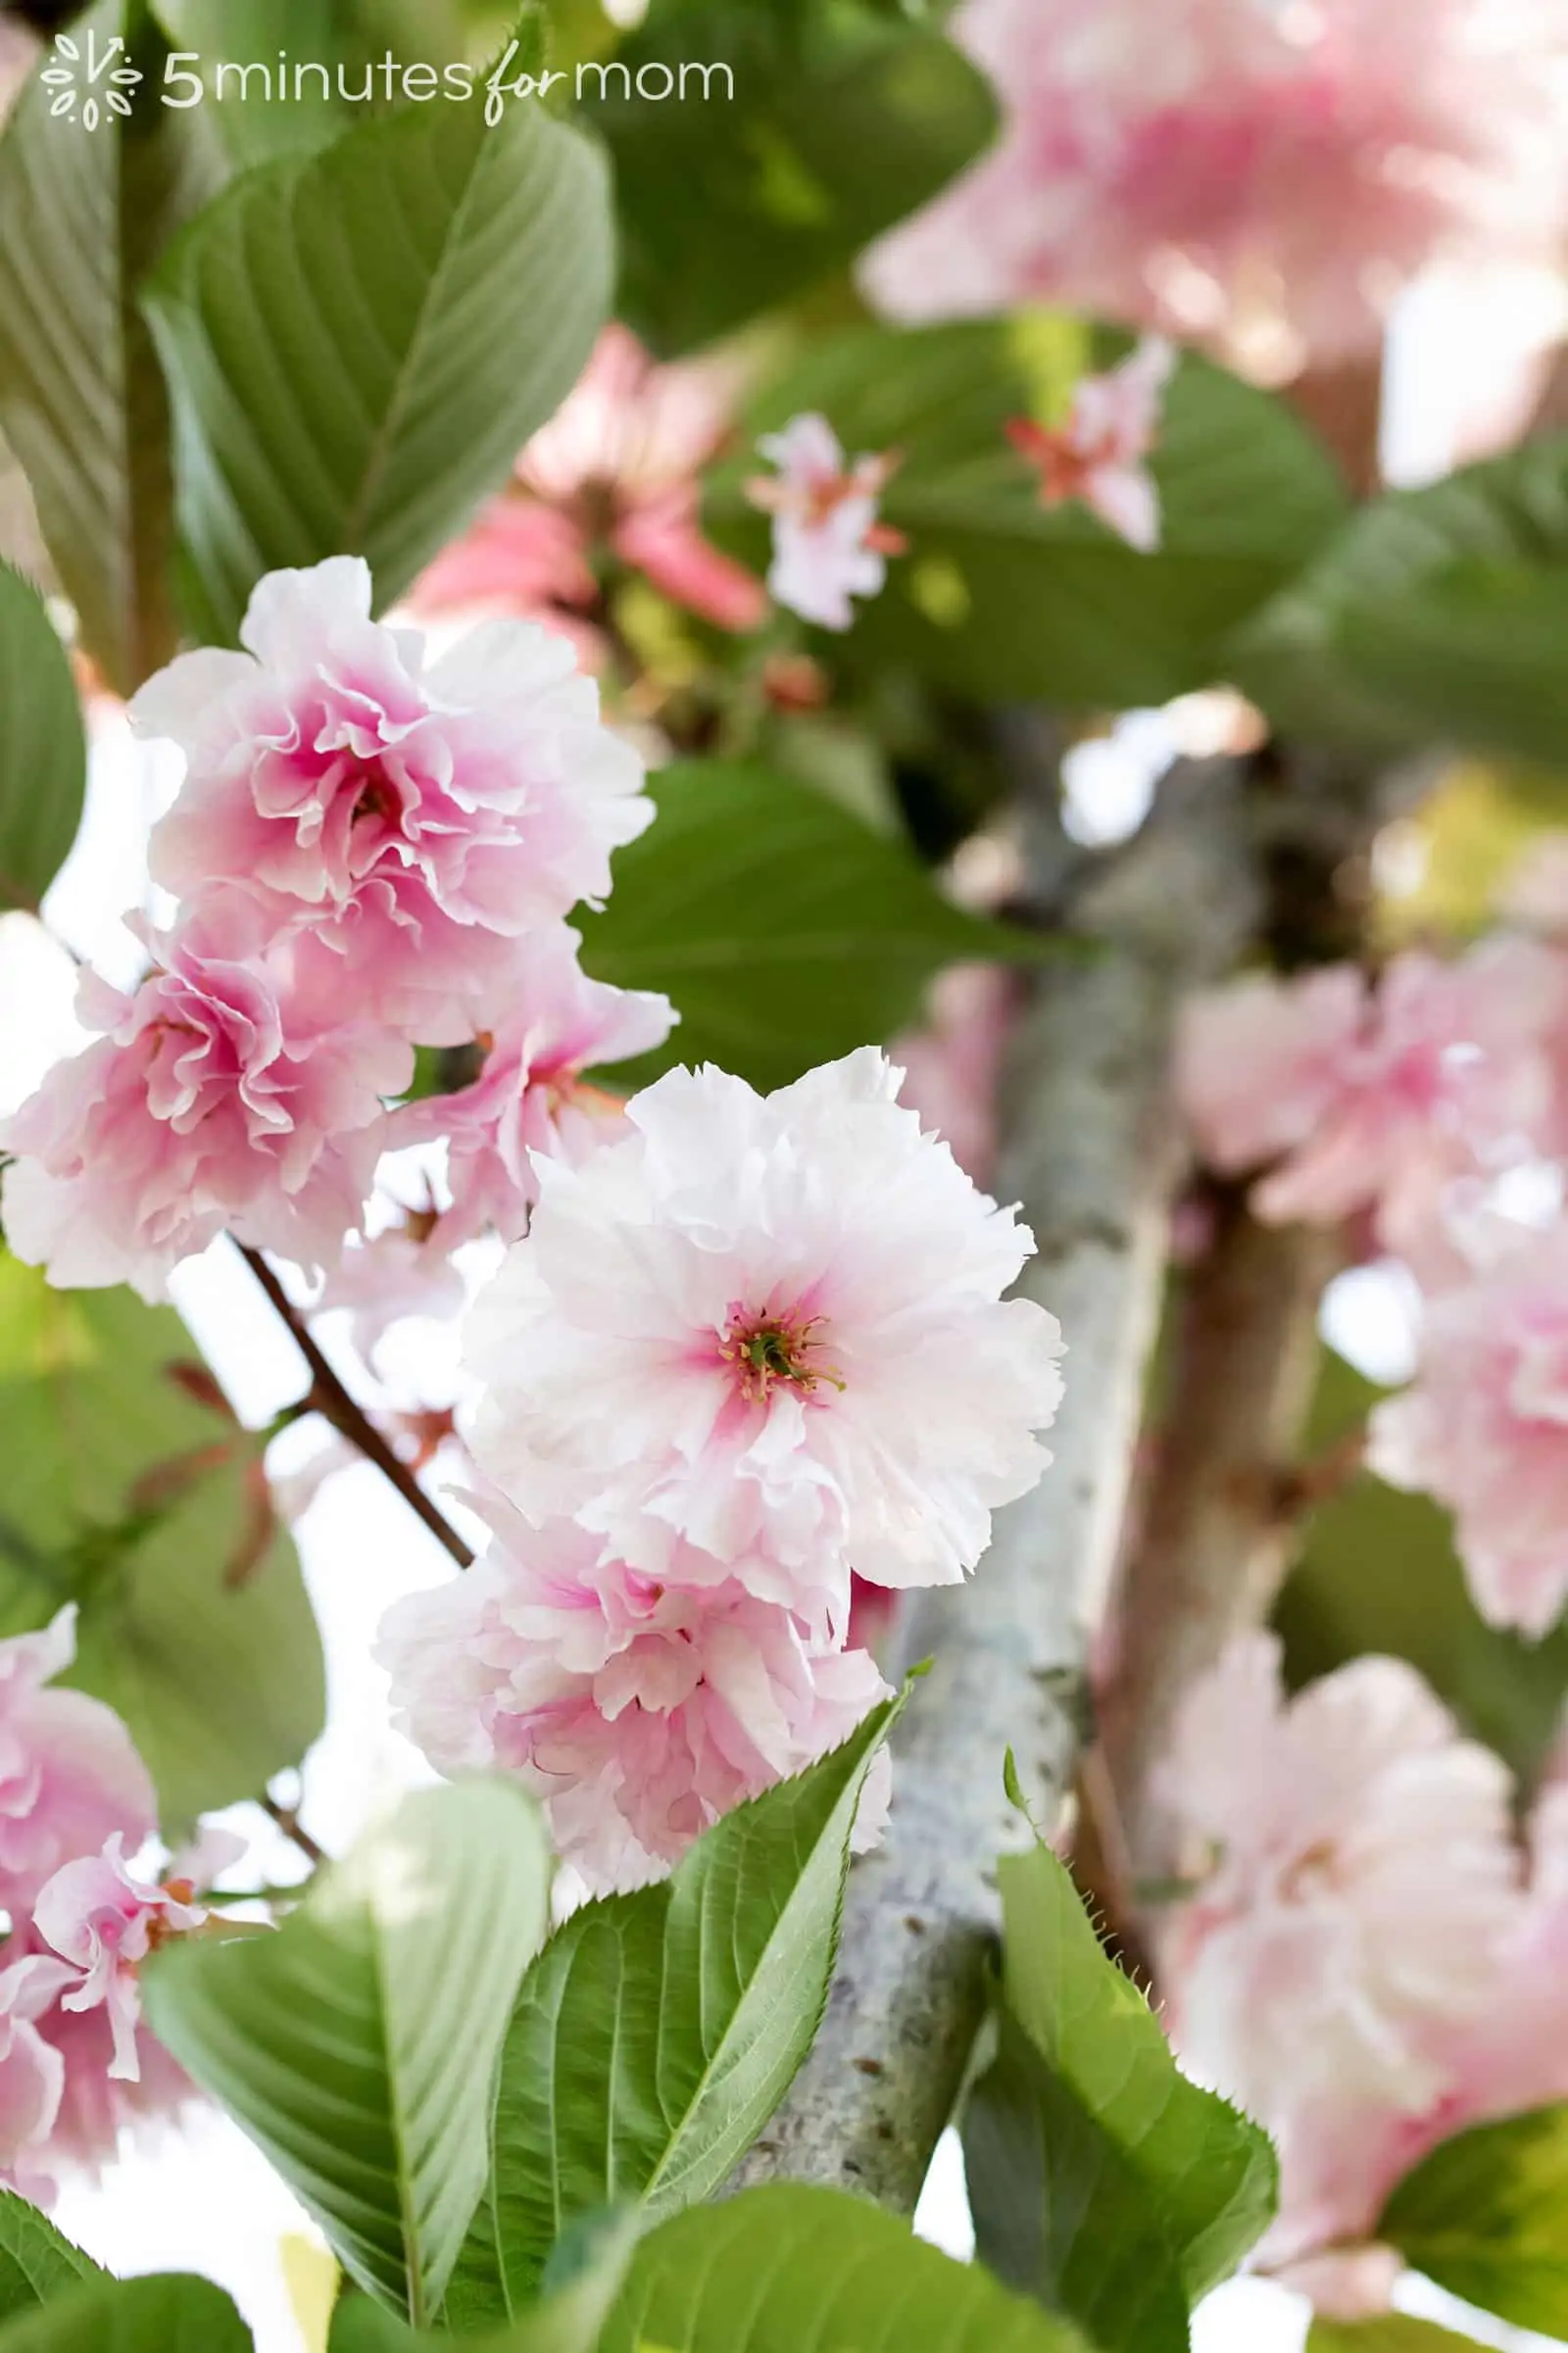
[1092,1155]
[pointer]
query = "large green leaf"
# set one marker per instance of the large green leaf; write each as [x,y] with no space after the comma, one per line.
[656,2032]
[835,124]
[779,2270]
[126,1485]
[1486,2216]
[579,2294]
[83,217]
[38,2264]
[1209,2173]
[1059,2213]
[784,931]
[1398,2332]
[357,342]
[1436,613]
[168,2313]
[43,753]
[1003,598]
[358,2045]
[1378,1572]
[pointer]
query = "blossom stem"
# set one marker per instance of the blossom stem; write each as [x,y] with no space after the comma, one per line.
[289,1823]
[332,1401]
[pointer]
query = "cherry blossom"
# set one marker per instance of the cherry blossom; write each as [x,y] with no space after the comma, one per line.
[1265,176]
[32,2072]
[828,546]
[1484,1428]
[95,1916]
[1535,895]
[409,824]
[620,461]
[953,1066]
[401,1271]
[530,1098]
[639,1711]
[768,1327]
[70,1773]
[1379,1100]
[215,1098]
[1100,454]
[1354,1877]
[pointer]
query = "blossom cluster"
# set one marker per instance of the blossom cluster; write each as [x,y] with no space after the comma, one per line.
[1267,176]
[1366,1959]
[75,2062]
[756,1346]
[370,851]
[1420,1111]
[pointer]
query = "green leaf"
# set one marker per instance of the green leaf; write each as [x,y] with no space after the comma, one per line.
[1398,2332]
[169,2313]
[1002,598]
[1210,2175]
[569,2316]
[784,931]
[779,2270]
[1378,1573]
[43,753]
[358,342]
[1059,2213]
[1437,611]
[831,131]
[83,217]
[1486,2217]
[38,2264]
[656,2032]
[126,1485]
[358,2046]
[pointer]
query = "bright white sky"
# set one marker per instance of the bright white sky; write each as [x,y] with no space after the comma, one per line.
[200,2199]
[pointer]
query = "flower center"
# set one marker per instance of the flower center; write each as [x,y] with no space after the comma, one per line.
[766,1348]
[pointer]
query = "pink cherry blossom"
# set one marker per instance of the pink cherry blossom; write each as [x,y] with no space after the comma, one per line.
[1265,176]
[1484,1428]
[953,1066]
[215,1098]
[1377,1100]
[1354,1881]
[770,1327]
[407,822]
[103,1921]
[401,1271]
[1536,894]
[531,1096]
[639,1711]
[620,460]
[32,2072]
[1100,454]
[828,546]
[70,1773]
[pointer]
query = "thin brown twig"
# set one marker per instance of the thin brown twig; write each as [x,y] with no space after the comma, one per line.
[332,1401]
[288,1822]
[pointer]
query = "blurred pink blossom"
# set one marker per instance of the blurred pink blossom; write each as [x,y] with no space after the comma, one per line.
[1263,176]
[639,1711]
[103,1921]
[70,1773]
[406,824]
[531,1098]
[768,1327]
[953,1066]
[1536,894]
[33,2072]
[1379,1099]
[828,546]
[1100,454]
[619,463]
[1484,1428]
[1355,1875]
[401,1271]
[212,1101]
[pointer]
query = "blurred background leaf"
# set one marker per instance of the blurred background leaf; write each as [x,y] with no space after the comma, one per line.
[43,753]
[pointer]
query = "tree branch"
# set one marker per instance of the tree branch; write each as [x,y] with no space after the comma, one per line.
[289,1823]
[1093,1155]
[331,1400]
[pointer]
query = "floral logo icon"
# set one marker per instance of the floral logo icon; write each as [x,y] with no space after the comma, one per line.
[89,84]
